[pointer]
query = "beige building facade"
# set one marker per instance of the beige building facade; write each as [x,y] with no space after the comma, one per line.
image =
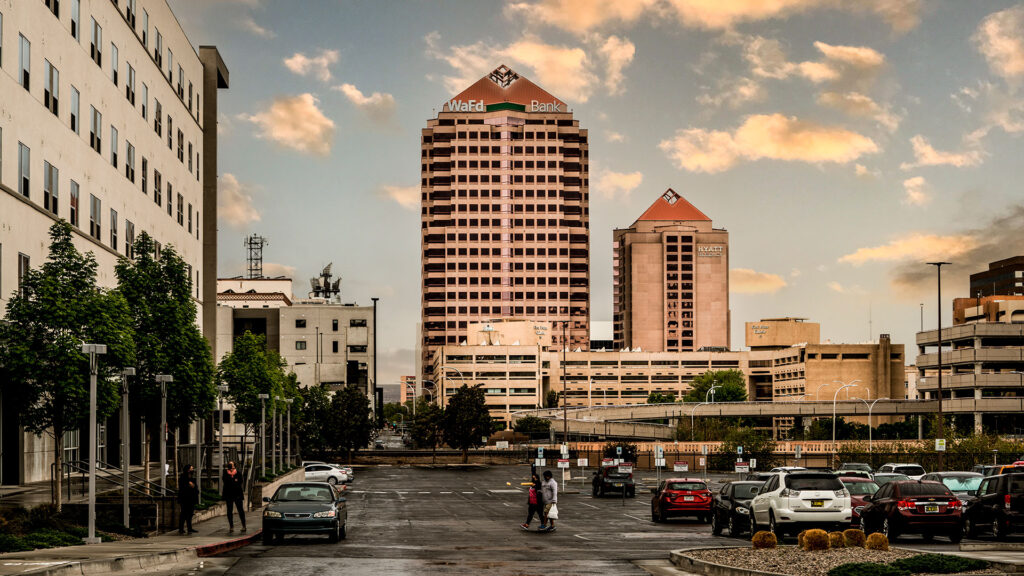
[108,121]
[671,280]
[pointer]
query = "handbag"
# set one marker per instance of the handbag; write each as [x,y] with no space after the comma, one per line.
[553,512]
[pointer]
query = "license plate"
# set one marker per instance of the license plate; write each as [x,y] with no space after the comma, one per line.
[687,498]
[617,484]
[817,503]
[931,509]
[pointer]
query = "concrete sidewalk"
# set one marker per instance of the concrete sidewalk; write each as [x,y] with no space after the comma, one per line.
[137,555]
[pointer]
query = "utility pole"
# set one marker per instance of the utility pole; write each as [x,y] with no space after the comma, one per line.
[942,420]
[125,436]
[273,433]
[92,350]
[221,389]
[263,433]
[377,410]
[565,398]
[163,379]
[288,436]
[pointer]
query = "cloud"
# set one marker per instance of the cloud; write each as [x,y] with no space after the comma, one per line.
[1000,41]
[863,171]
[926,155]
[746,281]
[234,203]
[616,184]
[732,93]
[774,137]
[296,122]
[579,16]
[901,15]
[407,197]
[857,104]
[316,66]
[917,246]
[617,54]
[916,193]
[272,269]
[848,66]
[613,136]
[379,106]
[248,23]
[836,287]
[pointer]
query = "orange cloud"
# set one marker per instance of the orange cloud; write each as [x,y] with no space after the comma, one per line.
[296,122]
[916,191]
[318,66]
[407,197]
[998,38]
[916,246]
[746,281]
[234,202]
[380,106]
[616,184]
[926,155]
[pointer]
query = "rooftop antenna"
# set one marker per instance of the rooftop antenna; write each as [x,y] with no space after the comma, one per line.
[255,244]
[322,286]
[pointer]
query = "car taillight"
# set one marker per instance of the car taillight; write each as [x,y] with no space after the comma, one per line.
[1006,501]
[905,505]
[954,505]
[788,493]
[842,493]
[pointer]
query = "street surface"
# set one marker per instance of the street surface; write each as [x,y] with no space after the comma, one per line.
[421,521]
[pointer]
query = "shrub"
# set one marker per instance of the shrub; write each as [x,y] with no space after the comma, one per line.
[877,541]
[939,564]
[12,543]
[815,539]
[13,520]
[836,540]
[43,516]
[49,538]
[800,539]
[866,569]
[764,539]
[854,538]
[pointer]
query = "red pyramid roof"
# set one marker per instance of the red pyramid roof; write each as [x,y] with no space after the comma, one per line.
[505,85]
[672,206]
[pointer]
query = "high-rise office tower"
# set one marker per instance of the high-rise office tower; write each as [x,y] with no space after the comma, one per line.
[505,219]
[671,280]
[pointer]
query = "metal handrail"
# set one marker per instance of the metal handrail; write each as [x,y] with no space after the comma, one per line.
[114,475]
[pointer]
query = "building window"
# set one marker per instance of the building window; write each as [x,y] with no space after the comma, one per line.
[190,97]
[113,146]
[190,218]
[75,112]
[300,344]
[181,83]
[197,224]
[145,101]
[23,268]
[181,210]
[170,65]
[300,322]
[170,196]
[129,87]
[357,349]
[334,347]
[157,187]
[96,123]
[74,204]
[51,178]
[334,325]
[158,49]
[94,217]
[158,115]
[357,322]
[113,229]
[129,165]
[189,157]
[26,61]
[145,29]
[76,12]
[170,132]
[24,169]
[130,13]
[1,39]
[96,48]
[51,87]
[54,6]
[129,239]
[181,147]
[114,67]
[145,174]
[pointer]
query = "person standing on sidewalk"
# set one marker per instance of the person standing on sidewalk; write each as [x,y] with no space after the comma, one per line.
[188,497]
[534,503]
[233,492]
[550,494]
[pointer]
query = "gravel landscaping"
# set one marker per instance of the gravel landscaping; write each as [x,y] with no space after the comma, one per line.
[792,560]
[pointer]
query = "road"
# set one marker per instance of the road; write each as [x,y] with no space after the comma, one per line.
[419,521]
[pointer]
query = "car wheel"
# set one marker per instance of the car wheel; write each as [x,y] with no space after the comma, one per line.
[772,527]
[753,525]
[970,528]
[731,525]
[956,535]
[998,529]
[864,526]
[343,532]
[716,525]
[631,493]
[928,536]
[332,480]
[595,492]
[268,538]
[334,536]
[890,533]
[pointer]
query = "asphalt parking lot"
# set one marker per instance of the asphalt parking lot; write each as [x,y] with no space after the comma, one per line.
[405,520]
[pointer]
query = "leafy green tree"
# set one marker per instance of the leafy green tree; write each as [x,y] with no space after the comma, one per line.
[349,426]
[316,412]
[428,426]
[57,309]
[732,386]
[629,451]
[659,398]
[466,420]
[532,426]
[160,296]
[395,412]
[756,444]
[551,399]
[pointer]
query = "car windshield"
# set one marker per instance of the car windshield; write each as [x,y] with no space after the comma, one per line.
[304,494]
[962,483]
[686,486]
[923,489]
[855,466]
[813,482]
[861,488]
[745,491]
[881,479]
[910,470]
[1016,485]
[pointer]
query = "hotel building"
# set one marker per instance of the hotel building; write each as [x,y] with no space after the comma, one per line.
[108,121]
[671,280]
[505,225]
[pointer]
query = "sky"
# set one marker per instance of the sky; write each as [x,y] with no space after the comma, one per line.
[841,144]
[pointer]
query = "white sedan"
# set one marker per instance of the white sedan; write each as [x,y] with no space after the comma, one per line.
[325,473]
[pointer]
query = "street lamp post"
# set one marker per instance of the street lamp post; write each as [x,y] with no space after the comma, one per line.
[288,436]
[834,398]
[263,433]
[692,412]
[92,350]
[125,434]
[938,309]
[711,393]
[273,432]
[221,389]
[163,379]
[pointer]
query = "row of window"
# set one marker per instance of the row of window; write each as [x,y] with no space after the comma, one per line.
[353,323]
[352,348]
[463,222]
[23,266]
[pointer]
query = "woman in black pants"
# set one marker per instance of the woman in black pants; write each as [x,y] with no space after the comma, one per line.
[188,497]
[232,492]
[534,503]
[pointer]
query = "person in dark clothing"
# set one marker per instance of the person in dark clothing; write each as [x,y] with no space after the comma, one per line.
[534,503]
[231,487]
[188,497]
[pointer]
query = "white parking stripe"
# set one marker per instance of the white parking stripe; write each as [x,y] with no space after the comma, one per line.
[591,505]
[635,518]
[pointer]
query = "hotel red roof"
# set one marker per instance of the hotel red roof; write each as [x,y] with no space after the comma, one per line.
[672,206]
[505,85]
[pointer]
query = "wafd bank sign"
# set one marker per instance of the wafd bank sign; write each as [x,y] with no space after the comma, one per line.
[479,106]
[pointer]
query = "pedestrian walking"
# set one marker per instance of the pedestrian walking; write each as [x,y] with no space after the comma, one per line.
[188,497]
[534,503]
[549,492]
[233,494]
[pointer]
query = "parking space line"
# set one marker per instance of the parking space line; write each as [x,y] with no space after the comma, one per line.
[591,505]
[635,518]
[582,537]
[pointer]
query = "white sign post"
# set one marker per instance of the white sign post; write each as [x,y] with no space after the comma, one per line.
[753,463]
[796,451]
[940,444]
[501,444]
[742,468]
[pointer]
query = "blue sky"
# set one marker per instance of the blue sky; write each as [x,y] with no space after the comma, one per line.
[841,144]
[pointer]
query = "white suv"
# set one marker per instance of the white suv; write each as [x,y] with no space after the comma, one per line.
[788,503]
[325,473]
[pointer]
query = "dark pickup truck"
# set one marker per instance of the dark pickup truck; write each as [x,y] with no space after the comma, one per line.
[610,479]
[999,508]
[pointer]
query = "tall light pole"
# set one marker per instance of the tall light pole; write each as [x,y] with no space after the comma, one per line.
[92,350]
[565,397]
[263,433]
[273,432]
[834,398]
[288,436]
[125,434]
[938,310]
[870,408]
[711,393]
[692,412]
[378,411]
[221,390]
[163,379]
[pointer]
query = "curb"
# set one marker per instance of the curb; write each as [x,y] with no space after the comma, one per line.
[684,562]
[227,545]
[130,564]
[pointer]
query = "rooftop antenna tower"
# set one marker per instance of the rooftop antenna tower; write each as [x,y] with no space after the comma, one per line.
[322,286]
[254,244]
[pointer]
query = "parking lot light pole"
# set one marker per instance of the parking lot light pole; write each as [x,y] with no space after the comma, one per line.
[273,432]
[221,389]
[834,398]
[288,436]
[263,433]
[92,350]
[938,355]
[163,379]
[125,434]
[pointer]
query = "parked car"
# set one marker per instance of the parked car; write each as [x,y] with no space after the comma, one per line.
[858,488]
[912,471]
[761,477]
[786,469]
[850,466]
[305,508]
[983,469]
[962,484]
[999,507]
[913,507]
[325,473]
[730,508]
[681,497]
[607,479]
[854,474]
[346,469]
[883,478]
[1004,469]
[790,502]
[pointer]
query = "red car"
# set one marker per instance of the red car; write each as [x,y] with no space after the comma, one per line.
[913,507]
[681,497]
[858,488]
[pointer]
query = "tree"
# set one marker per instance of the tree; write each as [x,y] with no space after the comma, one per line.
[159,293]
[756,444]
[395,412]
[466,420]
[532,426]
[659,398]
[732,386]
[58,308]
[428,426]
[349,426]
[551,399]
[629,451]
[316,412]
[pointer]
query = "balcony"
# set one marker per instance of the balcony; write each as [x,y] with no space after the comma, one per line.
[1013,354]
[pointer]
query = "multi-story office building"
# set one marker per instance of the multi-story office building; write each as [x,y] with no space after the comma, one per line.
[671,280]
[1003,278]
[999,308]
[505,218]
[107,120]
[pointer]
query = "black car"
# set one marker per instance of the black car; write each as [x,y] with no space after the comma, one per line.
[999,507]
[305,508]
[962,484]
[913,507]
[608,478]
[730,508]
